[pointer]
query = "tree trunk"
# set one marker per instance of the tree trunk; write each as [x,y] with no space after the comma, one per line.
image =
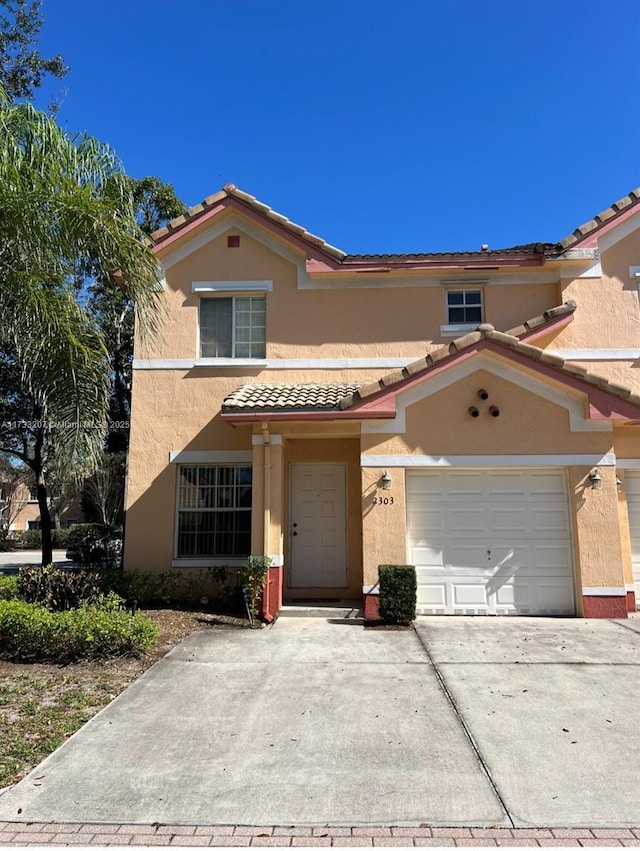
[45,522]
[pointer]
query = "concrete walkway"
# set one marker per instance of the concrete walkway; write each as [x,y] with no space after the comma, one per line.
[460,723]
[20,558]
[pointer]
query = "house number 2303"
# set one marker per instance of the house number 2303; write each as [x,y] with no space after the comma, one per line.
[383,500]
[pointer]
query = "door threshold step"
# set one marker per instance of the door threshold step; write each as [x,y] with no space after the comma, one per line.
[319,610]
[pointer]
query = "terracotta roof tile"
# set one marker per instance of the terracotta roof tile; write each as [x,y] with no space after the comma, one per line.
[287,397]
[613,210]
[232,191]
[527,249]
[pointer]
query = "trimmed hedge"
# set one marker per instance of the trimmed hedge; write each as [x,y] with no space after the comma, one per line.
[398,593]
[30,633]
[8,587]
[57,589]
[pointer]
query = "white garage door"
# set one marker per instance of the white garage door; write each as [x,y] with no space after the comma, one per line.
[490,542]
[632,489]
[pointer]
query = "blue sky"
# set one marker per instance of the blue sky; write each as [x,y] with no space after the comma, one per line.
[380,125]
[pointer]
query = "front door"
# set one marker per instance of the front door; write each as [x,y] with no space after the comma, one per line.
[318,526]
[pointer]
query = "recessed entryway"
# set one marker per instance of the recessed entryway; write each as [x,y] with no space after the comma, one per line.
[318,526]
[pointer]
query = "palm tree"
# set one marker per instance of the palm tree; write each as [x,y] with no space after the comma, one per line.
[66,210]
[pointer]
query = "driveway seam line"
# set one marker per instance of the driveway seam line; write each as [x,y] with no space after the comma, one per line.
[465,728]
[624,626]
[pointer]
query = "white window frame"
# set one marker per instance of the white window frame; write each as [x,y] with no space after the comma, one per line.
[454,329]
[207,560]
[233,359]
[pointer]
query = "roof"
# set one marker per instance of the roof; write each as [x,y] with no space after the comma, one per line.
[289,397]
[617,208]
[230,190]
[283,398]
[533,249]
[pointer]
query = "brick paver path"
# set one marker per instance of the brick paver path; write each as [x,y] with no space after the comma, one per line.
[24,834]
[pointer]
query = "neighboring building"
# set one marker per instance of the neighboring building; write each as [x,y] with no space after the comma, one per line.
[476,414]
[19,510]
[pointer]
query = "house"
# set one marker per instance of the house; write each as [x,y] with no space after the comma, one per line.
[20,512]
[474,413]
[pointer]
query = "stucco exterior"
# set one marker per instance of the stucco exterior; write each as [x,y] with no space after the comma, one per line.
[368,322]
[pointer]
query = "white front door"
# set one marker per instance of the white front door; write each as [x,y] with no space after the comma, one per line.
[318,526]
[632,490]
[490,541]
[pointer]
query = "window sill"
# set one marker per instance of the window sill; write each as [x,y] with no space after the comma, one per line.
[457,330]
[208,562]
[257,363]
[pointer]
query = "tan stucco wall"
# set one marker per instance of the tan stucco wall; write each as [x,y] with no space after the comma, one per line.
[337,322]
[528,424]
[597,544]
[384,526]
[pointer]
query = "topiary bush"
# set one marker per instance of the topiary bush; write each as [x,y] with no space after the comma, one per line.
[398,593]
[57,589]
[30,633]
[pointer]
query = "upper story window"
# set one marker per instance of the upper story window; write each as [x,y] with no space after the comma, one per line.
[233,327]
[464,307]
[464,311]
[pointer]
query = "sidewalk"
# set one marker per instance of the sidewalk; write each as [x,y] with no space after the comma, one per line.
[24,834]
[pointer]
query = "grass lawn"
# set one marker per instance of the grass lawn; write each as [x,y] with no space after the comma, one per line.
[41,705]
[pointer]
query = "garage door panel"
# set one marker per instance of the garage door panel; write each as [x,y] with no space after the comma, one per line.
[491,542]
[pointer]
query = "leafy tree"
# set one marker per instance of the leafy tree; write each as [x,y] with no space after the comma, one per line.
[21,66]
[155,203]
[65,206]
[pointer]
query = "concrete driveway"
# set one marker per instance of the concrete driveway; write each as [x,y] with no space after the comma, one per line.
[524,722]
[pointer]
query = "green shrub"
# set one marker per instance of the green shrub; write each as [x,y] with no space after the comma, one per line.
[156,589]
[7,541]
[251,577]
[398,593]
[57,589]
[60,538]
[8,587]
[31,633]
[32,539]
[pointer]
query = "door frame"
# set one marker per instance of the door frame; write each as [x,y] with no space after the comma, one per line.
[289,560]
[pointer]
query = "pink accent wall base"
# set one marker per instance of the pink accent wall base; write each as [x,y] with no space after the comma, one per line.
[272,595]
[371,607]
[631,601]
[604,607]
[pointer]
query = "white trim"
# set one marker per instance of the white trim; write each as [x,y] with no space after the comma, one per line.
[595,354]
[371,590]
[504,370]
[628,463]
[275,439]
[424,278]
[630,587]
[256,363]
[383,461]
[593,271]
[276,560]
[276,363]
[604,592]
[457,330]
[207,562]
[619,232]
[163,363]
[231,286]
[211,456]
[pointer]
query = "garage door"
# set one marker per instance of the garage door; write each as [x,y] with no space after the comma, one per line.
[490,542]
[632,489]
